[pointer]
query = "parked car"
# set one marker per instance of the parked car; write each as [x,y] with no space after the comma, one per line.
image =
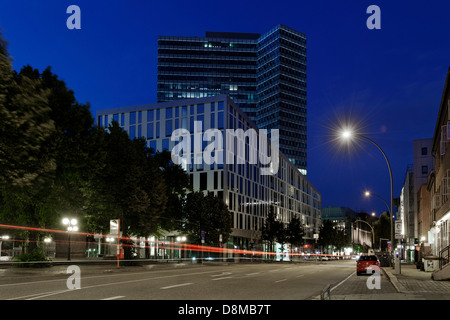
[324,258]
[366,262]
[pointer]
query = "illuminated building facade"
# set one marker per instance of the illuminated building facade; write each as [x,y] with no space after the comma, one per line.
[246,191]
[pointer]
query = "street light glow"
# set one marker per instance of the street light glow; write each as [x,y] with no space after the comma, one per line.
[346,134]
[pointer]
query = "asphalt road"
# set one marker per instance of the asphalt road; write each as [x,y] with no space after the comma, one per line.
[262,281]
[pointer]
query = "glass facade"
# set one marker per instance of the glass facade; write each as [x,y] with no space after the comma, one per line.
[220,63]
[265,75]
[247,192]
[281,87]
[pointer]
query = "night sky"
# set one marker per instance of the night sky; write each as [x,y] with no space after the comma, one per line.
[388,82]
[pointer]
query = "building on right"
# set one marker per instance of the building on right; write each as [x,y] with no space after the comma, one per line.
[422,167]
[439,179]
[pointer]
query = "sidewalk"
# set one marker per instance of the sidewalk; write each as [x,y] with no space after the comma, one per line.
[410,284]
[413,281]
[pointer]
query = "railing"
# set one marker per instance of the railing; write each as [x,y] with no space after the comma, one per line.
[444,257]
[326,291]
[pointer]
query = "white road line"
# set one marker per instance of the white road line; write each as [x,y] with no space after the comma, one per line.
[176,285]
[114,298]
[222,274]
[301,275]
[48,294]
[45,294]
[221,278]
[252,274]
[280,280]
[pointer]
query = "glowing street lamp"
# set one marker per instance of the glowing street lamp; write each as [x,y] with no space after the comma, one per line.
[5,237]
[181,239]
[71,227]
[369,194]
[348,134]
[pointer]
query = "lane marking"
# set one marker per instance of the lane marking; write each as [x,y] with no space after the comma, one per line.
[221,278]
[114,298]
[280,280]
[222,274]
[176,285]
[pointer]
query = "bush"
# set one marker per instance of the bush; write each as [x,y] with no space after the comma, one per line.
[33,259]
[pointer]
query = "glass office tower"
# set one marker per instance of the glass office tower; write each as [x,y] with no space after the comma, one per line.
[265,75]
[281,87]
[220,63]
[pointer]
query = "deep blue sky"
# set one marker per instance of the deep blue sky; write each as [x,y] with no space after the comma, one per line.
[389,81]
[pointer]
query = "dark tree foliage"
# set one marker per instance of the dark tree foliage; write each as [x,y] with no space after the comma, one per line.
[206,213]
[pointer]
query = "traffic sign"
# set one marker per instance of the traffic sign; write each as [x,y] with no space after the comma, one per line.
[398,229]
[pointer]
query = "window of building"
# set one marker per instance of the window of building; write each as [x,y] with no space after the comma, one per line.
[168,128]
[150,115]
[165,144]
[132,118]
[424,151]
[220,124]
[132,132]
[169,113]
[153,146]
[424,169]
[150,130]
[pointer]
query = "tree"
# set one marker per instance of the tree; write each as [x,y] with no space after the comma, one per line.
[27,163]
[295,232]
[177,185]
[382,229]
[268,230]
[128,185]
[209,214]
[273,230]
[25,128]
[326,234]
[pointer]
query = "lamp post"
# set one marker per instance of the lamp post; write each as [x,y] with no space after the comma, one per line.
[71,227]
[348,134]
[368,194]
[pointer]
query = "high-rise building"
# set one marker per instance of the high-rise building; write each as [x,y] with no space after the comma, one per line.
[264,74]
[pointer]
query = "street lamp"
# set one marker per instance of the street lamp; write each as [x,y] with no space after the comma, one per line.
[369,194]
[71,227]
[181,239]
[2,238]
[348,134]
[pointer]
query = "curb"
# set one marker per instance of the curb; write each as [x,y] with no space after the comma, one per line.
[394,281]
